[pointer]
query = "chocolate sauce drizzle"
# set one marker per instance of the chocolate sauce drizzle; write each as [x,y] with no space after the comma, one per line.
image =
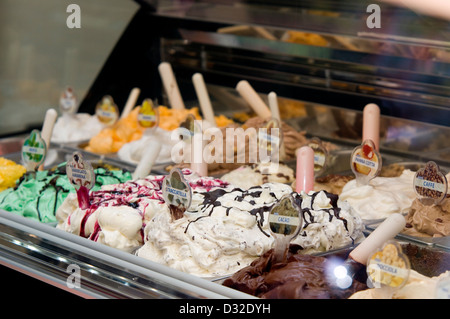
[212,199]
[333,211]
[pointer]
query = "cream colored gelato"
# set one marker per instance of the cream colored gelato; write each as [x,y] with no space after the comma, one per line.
[382,197]
[417,287]
[247,176]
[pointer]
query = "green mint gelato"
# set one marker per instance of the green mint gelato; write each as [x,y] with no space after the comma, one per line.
[38,195]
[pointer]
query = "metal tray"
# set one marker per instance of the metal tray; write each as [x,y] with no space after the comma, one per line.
[437,242]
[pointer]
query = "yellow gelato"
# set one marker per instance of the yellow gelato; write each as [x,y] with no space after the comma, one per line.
[10,172]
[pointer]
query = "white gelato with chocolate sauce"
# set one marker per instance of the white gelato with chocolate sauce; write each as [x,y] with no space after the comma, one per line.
[227,228]
[118,213]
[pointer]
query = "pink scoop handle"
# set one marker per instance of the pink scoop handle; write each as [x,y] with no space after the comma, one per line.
[305,170]
[371,124]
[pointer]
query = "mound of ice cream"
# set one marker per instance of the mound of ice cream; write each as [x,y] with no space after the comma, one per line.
[111,139]
[332,183]
[240,154]
[10,172]
[119,212]
[132,152]
[76,128]
[247,176]
[382,197]
[127,129]
[428,220]
[327,223]
[223,230]
[226,229]
[417,287]
[39,195]
[292,139]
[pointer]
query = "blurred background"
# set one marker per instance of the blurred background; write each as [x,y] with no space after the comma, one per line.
[40,55]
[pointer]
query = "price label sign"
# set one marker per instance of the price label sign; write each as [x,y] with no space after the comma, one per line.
[68,101]
[177,193]
[191,125]
[285,220]
[107,111]
[148,116]
[320,155]
[430,184]
[270,138]
[34,150]
[80,172]
[82,176]
[388,267]
[365,162]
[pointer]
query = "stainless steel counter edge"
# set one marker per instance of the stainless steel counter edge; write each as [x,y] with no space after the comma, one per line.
[199,287]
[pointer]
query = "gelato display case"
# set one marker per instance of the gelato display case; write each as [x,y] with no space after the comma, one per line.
[324,61]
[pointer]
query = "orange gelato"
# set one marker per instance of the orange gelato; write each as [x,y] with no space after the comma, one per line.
[127,130]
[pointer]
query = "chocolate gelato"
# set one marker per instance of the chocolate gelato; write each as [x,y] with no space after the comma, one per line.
[300,277]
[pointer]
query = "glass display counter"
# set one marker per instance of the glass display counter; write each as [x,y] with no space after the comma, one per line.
[322,60]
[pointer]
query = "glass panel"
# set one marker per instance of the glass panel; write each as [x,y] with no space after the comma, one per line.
[40,55]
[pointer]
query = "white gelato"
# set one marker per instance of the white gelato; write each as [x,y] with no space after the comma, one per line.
[132,152]
[226,229]
[119,212]
[76,128]
[327,224]
[382,197]
[220,233]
